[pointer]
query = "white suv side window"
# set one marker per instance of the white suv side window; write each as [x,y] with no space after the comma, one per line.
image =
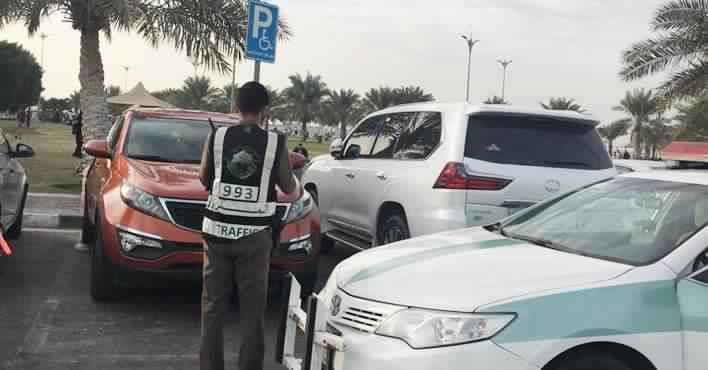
[393,127]
[421,138]
[362,140]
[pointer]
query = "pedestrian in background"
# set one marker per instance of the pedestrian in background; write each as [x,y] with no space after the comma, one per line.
[302,150]
[77,130]
[240,167]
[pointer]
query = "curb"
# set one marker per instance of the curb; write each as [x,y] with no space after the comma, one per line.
[51,221]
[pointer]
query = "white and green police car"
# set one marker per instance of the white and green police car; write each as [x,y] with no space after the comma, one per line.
[613,276]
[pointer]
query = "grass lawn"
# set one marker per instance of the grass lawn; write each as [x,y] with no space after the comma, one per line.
[51,170]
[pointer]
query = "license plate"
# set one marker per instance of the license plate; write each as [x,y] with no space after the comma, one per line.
[237,192]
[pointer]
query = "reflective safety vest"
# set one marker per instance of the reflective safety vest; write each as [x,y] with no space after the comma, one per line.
[242,199]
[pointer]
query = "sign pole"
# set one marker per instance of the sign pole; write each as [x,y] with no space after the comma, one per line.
[257,71]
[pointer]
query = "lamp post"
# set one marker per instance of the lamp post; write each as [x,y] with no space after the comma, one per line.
[126,69]
[232,98]
[505,64]
[470,45]
[43,36]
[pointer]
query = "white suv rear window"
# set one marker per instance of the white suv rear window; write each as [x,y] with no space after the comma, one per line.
[535,141]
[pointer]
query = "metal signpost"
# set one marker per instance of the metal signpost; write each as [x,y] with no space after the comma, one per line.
[262,34]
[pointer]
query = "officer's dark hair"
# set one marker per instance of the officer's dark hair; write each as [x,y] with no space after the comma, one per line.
[253,97]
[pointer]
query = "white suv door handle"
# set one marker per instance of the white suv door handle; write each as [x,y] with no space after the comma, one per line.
[350,175]
[381,175]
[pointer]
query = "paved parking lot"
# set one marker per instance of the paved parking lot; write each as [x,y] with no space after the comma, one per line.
[48,320]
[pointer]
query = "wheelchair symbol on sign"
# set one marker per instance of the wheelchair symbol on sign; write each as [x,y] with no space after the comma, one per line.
[264,42]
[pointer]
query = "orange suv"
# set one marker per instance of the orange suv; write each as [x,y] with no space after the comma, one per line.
[143,204]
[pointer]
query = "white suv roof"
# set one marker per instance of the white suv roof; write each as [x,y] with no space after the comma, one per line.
[490,108]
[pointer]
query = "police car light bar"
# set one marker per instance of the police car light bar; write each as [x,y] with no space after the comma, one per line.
[686,151]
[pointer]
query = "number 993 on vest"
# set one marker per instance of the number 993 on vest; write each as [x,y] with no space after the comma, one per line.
[239,192]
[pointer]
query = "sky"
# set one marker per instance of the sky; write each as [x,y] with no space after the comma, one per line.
[565,48]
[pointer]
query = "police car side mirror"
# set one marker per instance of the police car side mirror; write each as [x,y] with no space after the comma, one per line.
[335,148]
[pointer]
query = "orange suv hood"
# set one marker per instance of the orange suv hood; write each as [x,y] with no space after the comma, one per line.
[168,180]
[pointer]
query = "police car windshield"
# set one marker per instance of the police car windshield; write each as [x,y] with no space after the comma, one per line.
[632,221]
[166,140]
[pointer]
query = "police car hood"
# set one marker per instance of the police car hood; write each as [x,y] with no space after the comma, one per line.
[463,270]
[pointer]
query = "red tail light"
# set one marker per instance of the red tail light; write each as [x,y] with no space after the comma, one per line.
[454,176]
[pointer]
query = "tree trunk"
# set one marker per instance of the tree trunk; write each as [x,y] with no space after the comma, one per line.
[93,95]
[609,144]
[342,131]
[638,140]
[303,131]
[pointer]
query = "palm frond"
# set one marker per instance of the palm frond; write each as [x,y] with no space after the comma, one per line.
[686,15]
[692,81]
[655,55]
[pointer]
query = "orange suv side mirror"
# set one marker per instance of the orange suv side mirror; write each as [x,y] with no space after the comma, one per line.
[97,148]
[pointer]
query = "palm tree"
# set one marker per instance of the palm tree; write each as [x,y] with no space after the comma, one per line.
[169,95]
[681,44]
[304,98]
[411,94]
[209,31]
[495,100]
[75,98]
[379,98]
[614,130]
[113,90]
[384,97]
[656,135]
[693,120]
[342,108]
[198,93]
[562,104]
[640,104]
[279,109]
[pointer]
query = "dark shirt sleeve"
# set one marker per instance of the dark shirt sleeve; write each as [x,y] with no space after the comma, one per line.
[284,173]
[206,173]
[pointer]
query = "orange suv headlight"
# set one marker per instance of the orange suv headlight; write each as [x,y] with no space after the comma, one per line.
[142,201]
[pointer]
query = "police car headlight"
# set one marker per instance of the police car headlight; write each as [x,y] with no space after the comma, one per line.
[142,201]
[300,208]
[429,329]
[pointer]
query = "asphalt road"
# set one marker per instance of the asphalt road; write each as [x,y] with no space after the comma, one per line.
[48,321]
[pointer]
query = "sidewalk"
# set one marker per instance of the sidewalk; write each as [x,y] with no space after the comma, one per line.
[60,211]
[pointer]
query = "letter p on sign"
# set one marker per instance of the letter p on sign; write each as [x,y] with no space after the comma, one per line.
[262,34]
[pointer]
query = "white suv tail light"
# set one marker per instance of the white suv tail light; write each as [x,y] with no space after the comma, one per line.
[454,176]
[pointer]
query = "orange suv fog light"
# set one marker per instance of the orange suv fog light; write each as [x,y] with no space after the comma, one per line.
[129,241]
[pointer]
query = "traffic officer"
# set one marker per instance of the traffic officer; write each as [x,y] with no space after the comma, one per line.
[241,165]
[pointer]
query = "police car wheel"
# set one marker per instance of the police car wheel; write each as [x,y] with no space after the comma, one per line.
[594,361]
[393,228]
[103,287]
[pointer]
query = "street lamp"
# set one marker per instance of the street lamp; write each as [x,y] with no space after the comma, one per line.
[505,64]
[470,44]
[43,36]
[126,69]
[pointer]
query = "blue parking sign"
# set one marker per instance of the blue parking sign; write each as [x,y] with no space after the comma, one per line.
[262,34]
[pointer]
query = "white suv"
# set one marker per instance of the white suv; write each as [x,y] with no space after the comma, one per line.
[423,168]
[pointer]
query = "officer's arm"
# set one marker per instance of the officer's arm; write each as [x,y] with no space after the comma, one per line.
[206,173]
[285,176]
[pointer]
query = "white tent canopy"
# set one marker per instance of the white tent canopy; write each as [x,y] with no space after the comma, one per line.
[139,96]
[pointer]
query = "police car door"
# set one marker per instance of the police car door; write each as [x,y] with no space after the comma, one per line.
[693,299]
